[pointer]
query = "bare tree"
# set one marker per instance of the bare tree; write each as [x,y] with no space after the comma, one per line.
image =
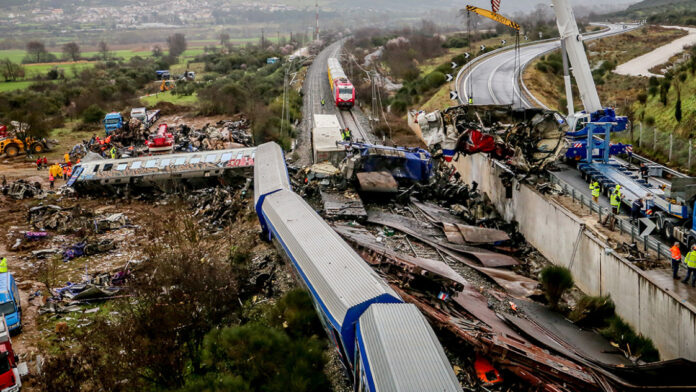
[224,39]
[36,50]
[103,50]
[177,44]
[71,51]
[11,71]
[157,51]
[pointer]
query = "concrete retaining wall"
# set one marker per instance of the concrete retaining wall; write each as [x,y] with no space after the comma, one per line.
[553,230]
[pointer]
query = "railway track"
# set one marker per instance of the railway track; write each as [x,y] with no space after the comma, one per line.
[349,120]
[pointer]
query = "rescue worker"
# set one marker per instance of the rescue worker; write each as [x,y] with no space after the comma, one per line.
[51,179]
[676,259]
[65,173]
[636,206]
[595,189]
[615,200]
[66,157]
[644,171]
[113,152]
[471,100]
[322,102]
[690,260]
[44,162]
[38,164]
[69,171]
[3,264]
[345,135]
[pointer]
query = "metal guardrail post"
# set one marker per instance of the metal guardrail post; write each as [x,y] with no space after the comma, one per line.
[659,250]
[573,194]
[582,200]
[600,214]
[633,234]
[645,243]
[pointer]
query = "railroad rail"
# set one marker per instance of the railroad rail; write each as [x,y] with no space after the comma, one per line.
[349,120]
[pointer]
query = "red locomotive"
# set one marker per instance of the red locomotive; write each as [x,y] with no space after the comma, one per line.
[341,88]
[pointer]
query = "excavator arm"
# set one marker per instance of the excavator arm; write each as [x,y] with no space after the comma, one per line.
[494,16]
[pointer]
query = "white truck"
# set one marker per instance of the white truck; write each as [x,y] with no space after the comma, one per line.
[146,117]
[326,134]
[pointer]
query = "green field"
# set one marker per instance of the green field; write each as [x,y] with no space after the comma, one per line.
[152,100]
[11,86]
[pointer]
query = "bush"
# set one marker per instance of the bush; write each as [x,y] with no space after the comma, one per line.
[556,280]
[650,121]
[435,79]
[638,345]
[541,67]
[93,114]
[592,311]
[642,98]
[399,107]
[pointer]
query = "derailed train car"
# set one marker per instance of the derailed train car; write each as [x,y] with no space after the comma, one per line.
[164,172]
[384,344]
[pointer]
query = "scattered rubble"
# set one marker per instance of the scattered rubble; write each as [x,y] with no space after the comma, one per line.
[528,140]
[22,189]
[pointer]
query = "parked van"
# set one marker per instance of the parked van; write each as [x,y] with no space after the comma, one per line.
[10,305]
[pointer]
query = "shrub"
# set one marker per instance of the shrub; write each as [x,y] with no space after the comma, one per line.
[541,67]
[435,79]
[556,280]
[642,98]
[638,345]
[399,107]
[93,114]
[592,311]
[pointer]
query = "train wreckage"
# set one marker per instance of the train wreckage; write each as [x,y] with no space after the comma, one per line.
[164,171]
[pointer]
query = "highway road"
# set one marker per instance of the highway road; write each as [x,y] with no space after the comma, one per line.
[493,80]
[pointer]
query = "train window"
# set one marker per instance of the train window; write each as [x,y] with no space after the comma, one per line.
[165,162]
[136,164]
[226,157]
[196,160]
[107,167]
[180,161]
[96,168]
[121,166]
[150,163]
[345,90]
[210,158]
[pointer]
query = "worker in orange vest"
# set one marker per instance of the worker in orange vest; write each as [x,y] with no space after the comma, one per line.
[69,170]
[676,259]
[65,173]
[51,179]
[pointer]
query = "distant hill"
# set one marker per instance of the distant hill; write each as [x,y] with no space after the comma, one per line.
[678,12]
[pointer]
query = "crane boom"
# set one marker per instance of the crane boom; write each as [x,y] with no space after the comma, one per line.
[492,15]
[568,30]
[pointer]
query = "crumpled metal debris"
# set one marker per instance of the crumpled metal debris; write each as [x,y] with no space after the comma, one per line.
[22,189]
[224,135]
[528,140]
[218,206]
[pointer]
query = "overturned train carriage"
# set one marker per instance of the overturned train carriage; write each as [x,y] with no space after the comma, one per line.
[359,311]
[164,172]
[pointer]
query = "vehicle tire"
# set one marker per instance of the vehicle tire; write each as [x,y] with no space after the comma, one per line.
[668,230]
[37,148]
[12,150]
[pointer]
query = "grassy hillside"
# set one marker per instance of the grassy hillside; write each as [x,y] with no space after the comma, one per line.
[544,77]
[682,12]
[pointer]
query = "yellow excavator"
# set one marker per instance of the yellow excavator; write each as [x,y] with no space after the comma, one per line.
[167,85]
[13,146]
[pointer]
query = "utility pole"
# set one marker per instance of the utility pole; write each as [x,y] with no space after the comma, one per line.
[263,39]
[374,98]
[316,30]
